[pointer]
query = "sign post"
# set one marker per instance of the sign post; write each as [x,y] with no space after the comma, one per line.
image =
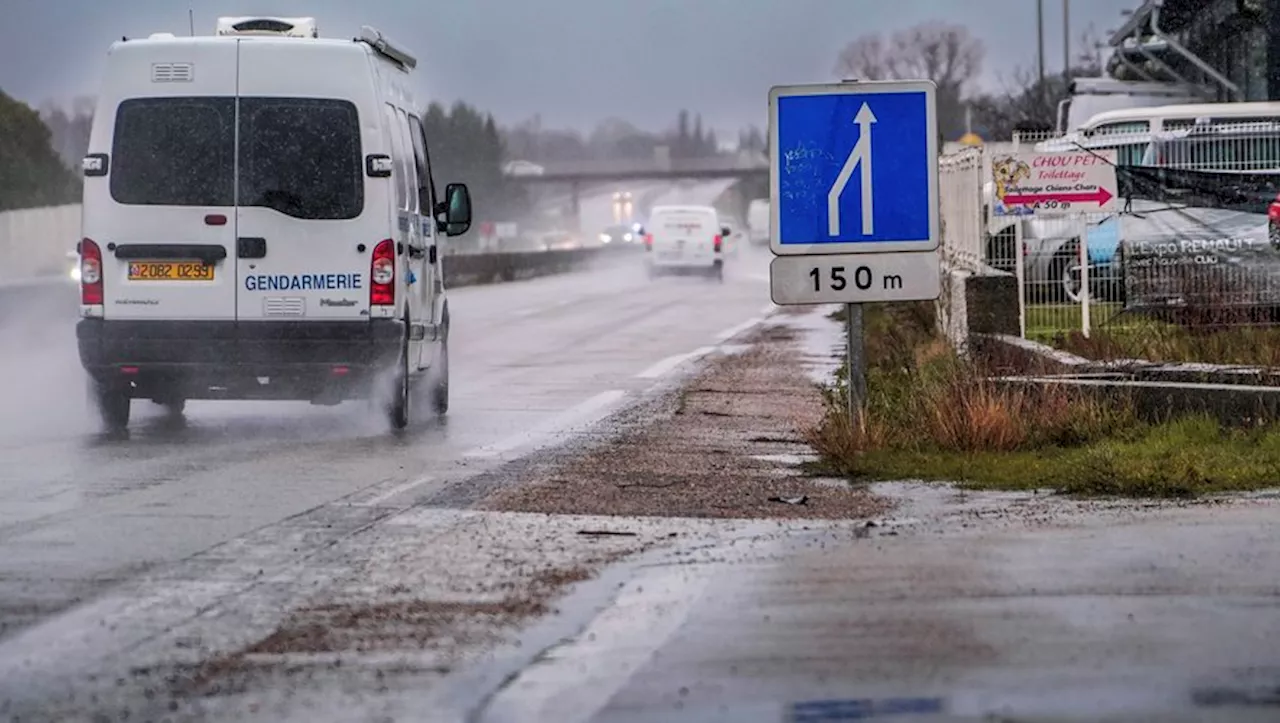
[853,188]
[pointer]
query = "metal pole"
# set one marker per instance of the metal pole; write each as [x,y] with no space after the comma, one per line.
[1019,261]
[1066,40]
[1085,298]
[856,359]
[1040,37]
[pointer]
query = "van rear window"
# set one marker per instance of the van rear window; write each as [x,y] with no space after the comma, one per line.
[174,152]
[301,157]
[686,223]
[298,156]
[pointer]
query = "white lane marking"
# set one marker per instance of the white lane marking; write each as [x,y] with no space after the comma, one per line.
[398,489]
[574,682]
[585,413]
[731,332]
[671,362]
[524,313]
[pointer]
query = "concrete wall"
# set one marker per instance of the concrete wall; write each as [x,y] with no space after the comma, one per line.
[977,304]
[34,242]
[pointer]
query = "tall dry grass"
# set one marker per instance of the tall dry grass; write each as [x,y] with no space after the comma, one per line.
[922,397]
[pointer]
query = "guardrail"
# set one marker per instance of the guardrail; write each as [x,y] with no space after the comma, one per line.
[34,244]
[488,268]
[57,290]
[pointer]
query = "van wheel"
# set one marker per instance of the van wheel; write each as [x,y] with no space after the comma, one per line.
[440,390]
[174,405]
[114,405]
[398,407]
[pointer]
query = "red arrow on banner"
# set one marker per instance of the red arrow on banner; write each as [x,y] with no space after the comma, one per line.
[1099,197]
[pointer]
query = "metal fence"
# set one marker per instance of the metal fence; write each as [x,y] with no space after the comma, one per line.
[960,194]
[1194,244]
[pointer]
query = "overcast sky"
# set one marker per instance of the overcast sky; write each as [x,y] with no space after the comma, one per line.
[572,61]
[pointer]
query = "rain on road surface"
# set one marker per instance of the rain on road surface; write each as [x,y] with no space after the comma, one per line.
[80,512]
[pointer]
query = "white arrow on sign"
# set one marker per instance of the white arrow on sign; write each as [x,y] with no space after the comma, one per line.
[859,156]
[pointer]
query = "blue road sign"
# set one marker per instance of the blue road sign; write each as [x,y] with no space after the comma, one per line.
[854,168]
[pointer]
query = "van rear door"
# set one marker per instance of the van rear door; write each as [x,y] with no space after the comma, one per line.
[164,221]
[304,240]
[685,236]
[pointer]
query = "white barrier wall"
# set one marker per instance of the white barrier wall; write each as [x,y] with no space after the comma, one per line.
[34,242]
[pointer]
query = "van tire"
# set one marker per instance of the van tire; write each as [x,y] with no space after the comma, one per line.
[440,389]
[113,404]
[398,405]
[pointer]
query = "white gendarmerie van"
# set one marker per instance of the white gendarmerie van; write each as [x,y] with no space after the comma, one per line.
[261,222]
[685,240]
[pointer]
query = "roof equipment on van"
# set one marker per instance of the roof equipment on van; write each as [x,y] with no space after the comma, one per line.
[288,27]
[383,45]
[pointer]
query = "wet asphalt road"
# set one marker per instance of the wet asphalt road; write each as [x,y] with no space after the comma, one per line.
[1057,613]
[530,360]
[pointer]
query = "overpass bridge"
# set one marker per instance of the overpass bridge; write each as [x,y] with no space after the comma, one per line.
[601,171]
[597,174]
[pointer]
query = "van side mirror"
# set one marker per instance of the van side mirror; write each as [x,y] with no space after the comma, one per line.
[456,209]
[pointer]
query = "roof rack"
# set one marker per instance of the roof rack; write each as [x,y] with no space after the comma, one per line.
[380,43]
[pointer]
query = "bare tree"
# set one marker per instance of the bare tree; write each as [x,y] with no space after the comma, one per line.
[864,59]
[1027,102]
[949,55]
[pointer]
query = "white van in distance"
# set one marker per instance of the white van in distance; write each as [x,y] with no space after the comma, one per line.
[260,221]
[685,240]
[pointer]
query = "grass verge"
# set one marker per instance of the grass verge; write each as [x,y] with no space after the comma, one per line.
[930,415]
[1220,337]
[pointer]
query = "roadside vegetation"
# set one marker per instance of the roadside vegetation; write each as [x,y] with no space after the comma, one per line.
[1158,342]
[933,416]
[1213,336]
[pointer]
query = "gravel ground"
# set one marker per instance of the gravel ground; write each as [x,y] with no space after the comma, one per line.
[725,445]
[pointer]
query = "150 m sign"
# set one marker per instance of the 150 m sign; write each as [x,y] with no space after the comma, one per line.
[855,278]
[862,275]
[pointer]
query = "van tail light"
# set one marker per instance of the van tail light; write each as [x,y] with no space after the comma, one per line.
[90,273]
[382,274]
[648,242]
[718,242]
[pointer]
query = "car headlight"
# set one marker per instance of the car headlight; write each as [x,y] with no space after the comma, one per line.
[628,237]
[605,238]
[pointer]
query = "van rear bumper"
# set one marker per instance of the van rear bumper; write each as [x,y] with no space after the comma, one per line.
[216,359]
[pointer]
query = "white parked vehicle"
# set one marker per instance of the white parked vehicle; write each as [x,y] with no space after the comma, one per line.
[684,240]
[1220,137]
[260,222]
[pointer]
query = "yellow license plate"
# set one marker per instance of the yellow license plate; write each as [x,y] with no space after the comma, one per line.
[170,271]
